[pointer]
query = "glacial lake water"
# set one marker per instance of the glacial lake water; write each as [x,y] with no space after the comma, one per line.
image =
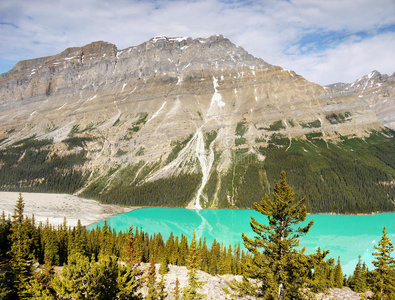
[347,236]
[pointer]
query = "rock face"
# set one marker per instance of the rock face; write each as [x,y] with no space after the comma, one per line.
[179,105]
[377,90]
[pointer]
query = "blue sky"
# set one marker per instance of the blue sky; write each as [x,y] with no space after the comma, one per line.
[326,41]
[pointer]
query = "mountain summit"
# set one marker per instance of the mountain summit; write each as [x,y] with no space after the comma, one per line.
[184,122]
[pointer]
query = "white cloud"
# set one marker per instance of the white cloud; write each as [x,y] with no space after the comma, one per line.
[280,32]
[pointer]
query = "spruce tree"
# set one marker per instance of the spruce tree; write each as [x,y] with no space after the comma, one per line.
[128,283]
[191,290]
[152,293]
[40,285]
[338,275]
[102,278]
[177,291]
[20,249]
[322,277]
[384,275]
[358,279]
[5,226]
[73,283]
[129,275]
[164,266]
[162,294]
[280,270]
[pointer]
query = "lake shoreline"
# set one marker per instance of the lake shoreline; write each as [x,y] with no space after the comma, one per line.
[55,207]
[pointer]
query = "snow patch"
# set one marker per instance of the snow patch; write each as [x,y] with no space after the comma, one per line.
[217,98]
[158,112]
[123,87]
[61,106]
[206,162]
[90,99]
[133,90]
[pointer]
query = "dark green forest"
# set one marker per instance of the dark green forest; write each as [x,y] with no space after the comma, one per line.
[351,175]
[42,261]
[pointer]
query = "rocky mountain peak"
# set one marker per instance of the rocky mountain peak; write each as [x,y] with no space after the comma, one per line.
[94,49]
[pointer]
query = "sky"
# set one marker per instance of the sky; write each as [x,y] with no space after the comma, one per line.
[325,41]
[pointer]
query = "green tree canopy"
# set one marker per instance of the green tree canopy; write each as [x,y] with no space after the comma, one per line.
[384,274]
[279,270]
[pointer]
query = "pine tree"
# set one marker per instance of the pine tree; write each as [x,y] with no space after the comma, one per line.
[40,286]
[384,275]
[129,275]
[164,266]
[322,277]
[162,294]
[191,290]
[5,291]
[338,275]
[5,226]
[280,270]
[358,279]
[128,283]
[20,249]
[73,283]
[177,291]
[151,282]
[102,278]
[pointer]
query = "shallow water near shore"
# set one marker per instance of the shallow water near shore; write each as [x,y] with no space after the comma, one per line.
[346,236]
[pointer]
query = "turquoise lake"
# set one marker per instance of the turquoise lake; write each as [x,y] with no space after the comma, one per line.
[346,236]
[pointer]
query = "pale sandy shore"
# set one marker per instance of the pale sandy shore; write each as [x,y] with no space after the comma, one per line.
[55,207]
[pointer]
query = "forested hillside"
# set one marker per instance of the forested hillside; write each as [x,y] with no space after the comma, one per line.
[351,175]
[43,261]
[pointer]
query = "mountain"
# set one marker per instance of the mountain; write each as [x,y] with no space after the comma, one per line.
[195,123]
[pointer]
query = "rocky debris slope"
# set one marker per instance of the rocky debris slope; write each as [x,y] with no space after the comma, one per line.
[214,285]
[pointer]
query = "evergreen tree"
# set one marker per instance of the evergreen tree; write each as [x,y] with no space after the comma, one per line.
[279,271]
[102,278]
[5,291]
[191,290]
[322,277]
[384,275]
[164,266]
[5,226]
[151,282]
[162,294]
[177,291]
[358,279]
[40,286]
[20,249]
[51,246]
[129,275]
[73,283]
[338,275]
[128,283]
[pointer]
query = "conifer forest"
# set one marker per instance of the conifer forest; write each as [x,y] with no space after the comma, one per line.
[42,261]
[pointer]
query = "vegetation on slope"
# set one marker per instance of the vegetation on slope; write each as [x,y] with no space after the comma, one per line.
[30,166]
[101,257]
[351,175]
[129,188]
